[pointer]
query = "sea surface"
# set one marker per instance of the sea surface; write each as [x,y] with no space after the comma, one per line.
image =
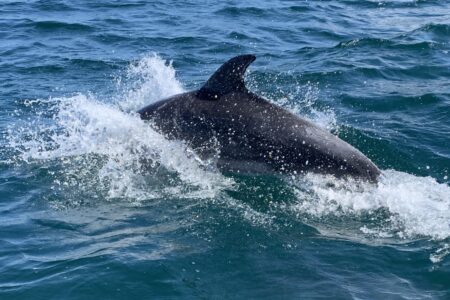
[83,217]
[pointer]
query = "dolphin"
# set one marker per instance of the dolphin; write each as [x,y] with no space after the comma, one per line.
[249,134]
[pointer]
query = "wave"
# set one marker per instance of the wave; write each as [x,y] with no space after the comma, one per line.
[438,29]
[94,64]
[395,102]
[390,4]
[240,36]
[94,148]
[412,40]
[117,4]
[386,43]
[64,65]
[56,25]
[237,11]
[51,5]
[299,8]
[39,69]
[110,38]
[52,25]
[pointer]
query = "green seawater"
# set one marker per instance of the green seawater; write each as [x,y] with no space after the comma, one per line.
[94,204]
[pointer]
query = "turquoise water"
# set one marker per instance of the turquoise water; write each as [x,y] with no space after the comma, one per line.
[81,218]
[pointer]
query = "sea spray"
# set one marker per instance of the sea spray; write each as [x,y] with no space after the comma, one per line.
[123,153]
[399,205]
[102,148]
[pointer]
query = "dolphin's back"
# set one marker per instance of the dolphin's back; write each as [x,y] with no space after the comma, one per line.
[241,127]
[288,142]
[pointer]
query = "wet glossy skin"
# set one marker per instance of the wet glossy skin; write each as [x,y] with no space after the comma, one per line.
[250,134]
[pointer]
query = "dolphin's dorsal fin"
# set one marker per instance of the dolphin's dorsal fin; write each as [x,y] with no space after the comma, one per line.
[228,78]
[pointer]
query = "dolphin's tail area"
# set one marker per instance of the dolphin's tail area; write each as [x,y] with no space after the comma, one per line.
[228,78]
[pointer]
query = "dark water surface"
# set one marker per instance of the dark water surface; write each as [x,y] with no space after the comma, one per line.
[82,218]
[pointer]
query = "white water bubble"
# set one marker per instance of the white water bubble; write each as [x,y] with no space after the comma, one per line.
[440,254]
[415,206]
[148,80]
[102,148]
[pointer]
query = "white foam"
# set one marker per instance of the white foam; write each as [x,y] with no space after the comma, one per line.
[416,206]
[147,80]
[439,255]
[116,149]
[102,145]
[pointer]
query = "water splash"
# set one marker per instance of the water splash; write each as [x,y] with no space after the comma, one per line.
[98,146]
[101,148]
[302,101]
[439,255]
[147,80]
[400,205]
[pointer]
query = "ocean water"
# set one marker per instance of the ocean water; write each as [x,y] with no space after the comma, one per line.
[84,216]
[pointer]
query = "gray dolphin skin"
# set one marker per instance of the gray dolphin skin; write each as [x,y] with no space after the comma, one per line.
[248,134]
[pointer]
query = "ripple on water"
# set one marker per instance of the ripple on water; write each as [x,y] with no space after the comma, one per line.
[95,204]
